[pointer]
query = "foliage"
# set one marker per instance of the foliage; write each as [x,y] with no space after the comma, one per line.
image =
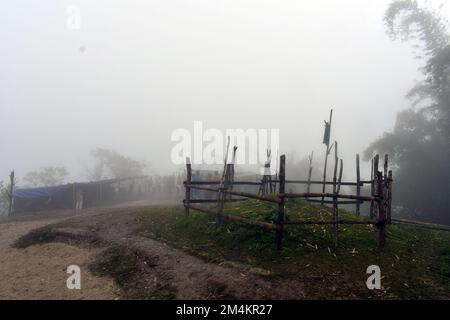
[110,164]
[414,263]
[419,144]
[4,198]
[46,177]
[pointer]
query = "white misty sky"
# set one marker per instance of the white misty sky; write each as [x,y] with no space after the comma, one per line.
[149,67]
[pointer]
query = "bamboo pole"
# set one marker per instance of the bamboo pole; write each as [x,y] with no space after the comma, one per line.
[341,169]
[389,198]
[326,195]
[335,199]
[308,189]
[425,225]
[385,167]
[331,202]
[237,183]
[287,195]
[381,225]
[344,183]
[327,153]
[264,225]
[358,185]
[273,199]
[375,191]
[11,193]
[385,184]
[188,183]
[281,213]
[336,164]
[338,190]
[213,200]
[371,190]
[349,222]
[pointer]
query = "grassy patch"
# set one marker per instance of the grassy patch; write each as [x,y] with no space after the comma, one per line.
[414,264]
[219,291]
[130,270]
[51,234]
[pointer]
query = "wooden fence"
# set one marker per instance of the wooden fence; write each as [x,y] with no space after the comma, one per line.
[380,198]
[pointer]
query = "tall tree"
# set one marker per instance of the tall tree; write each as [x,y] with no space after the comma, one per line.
[46,177]
[110,164]
[419,144]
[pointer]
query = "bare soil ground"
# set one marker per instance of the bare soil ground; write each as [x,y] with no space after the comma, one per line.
[39,271]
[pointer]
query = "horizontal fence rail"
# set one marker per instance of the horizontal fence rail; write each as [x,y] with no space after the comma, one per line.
[380,197]
[350,222]
[238,193]
[264,225]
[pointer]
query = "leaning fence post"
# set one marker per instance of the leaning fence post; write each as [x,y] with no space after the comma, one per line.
[224,184]
[381,221]
[335,192]
[326,141]
[358,186]
[280,218]
[187,185]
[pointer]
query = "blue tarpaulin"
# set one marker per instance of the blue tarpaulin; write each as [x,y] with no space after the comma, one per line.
[43,192]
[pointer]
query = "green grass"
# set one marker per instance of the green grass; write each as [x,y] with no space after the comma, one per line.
[38,236]
[415,263]
[127,268]
[51,234]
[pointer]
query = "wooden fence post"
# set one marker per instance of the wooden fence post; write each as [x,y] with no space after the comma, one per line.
[389,198]
[11,193]
[381,221]
[337,208]
[280,218]
[231,179]
[74,196]
[308,189]
[358,185]
[335,198]
[326,141]
[371,190]
[385,184]
[336,163]
[385,167]
[374,186]
[188,182]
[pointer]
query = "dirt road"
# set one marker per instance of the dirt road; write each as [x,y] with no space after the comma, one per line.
[39,271]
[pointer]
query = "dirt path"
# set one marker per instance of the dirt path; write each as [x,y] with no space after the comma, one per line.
[39,271]
[191,277]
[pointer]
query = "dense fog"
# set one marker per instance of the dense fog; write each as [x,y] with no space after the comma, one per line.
[79,76]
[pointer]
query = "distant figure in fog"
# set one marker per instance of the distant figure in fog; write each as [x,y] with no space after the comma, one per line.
[79,200]
[216,177]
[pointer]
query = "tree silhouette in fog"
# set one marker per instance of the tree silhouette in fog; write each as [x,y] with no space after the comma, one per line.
[46,177]
[419,143]
[110,164]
